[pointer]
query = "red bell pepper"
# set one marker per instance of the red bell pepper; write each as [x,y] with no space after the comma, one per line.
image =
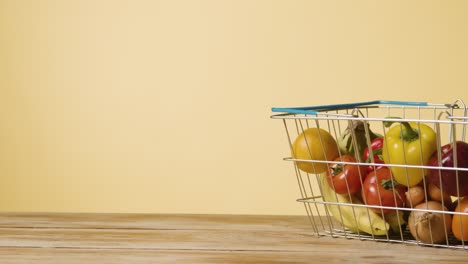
[376,150]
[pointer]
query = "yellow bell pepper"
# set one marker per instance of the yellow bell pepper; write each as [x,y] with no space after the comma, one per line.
[408,143]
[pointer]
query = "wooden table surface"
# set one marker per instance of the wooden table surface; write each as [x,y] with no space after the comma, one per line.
[136,238]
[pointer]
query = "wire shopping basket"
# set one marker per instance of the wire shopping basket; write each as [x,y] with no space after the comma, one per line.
[388,171]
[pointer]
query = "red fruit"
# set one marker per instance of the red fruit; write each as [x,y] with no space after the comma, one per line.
[374,151]
[448,178]
[380,189]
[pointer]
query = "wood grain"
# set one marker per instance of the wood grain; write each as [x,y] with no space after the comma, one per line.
[121,238]
[154,221]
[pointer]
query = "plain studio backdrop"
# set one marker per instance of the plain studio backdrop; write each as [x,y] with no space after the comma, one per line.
[164,106]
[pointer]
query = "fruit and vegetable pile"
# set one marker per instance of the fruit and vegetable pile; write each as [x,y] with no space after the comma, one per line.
[401,180]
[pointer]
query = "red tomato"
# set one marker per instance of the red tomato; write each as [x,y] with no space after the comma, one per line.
[380,189]
[346,178]
[376,150]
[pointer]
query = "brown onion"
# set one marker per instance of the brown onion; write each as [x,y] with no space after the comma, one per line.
[429,226]
[415,195]
[436,194]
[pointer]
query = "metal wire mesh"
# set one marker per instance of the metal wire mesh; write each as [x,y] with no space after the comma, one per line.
[334,217]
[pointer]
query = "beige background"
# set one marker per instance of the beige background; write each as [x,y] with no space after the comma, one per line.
[163,106]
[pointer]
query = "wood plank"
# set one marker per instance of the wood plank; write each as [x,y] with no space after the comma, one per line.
[155,239]
[79,256]
[329,255]
[121,238]
[204,240]
[155,221]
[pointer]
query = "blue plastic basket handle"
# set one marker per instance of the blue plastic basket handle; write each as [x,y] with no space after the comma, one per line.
[313,110]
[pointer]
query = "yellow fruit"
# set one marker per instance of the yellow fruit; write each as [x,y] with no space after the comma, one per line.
[314,144]
[357,218]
